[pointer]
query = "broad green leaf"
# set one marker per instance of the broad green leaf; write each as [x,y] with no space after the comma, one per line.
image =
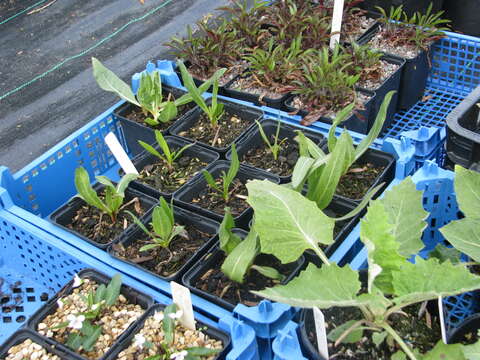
[404,206]
[399,355]
[268,272]
[100,293]
[472,352]
[241,258]
[443,253]
[383,255]
[467,189]
[300,171]
[429,279]
[169,112]
[74,341]
[228,240]
[376,128]
[161,223]
[168,324]
[308,146]
[448,352]
[353,337]
[234,166]
[92,338]
[341,116]
[192,88]
[85,190]
[113,290]
[150,149]
[202,351]
[325,287]
[464,235]
[379,337]
[287,222]
[105,181]
[108,81]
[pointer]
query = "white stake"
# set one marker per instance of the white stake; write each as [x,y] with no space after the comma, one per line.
[321,332]
[120,154]
[336,23]
[182,298]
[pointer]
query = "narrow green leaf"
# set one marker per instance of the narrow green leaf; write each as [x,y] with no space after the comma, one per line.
[191,87]
[113,290]
[162,143]
[137,221]
[228,240]
[108,81]
[168,324]
[341,116]
[202,351]
[269,272]
[234,166]
[241,258]
[92,338]
[210,180]
[150,149]
[287,223]
[352,338]
[161,223]
[85,190]
[301,171]
[100,293]
[149,247]
[124,182]
[308,146]
[366,199]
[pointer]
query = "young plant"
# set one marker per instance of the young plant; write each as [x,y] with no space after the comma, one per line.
[274,147]
[226,179]
[365,61]
[168,318]
[240,254]
[215,111]
[391,231]
[163,226]
[323,171]
[168,156]
[84,334]
[112,202]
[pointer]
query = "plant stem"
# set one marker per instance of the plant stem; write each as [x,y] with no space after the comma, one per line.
[348,331]
[399,340]
[322,256]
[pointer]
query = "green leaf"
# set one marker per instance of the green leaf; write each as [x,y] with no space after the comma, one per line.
[447,352]
[169,112]
[123,184]
[467,189]
[149,247]
[138,223]
[162,143]
[352,338]
[301,171]
[228,240]
[161,223]
[429,279]
[150,149]
[74,341]
[366,199]
[443,253]
[472,352]
[90,340]
[383,250]
[379,337]
[376,128]
[108,81]
[113,290]
[269,272]
[85,190]
[191,87]
[404,206]
[234,167]
[238,262]
[287,223]
[325,287]
[100,293]
[202,351]
[341,116]
[168,324]
[210,180]
[308,146]
[399,355]
[464,235]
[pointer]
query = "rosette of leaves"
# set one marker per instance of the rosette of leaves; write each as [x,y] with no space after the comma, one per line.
[365,61]
[391,232]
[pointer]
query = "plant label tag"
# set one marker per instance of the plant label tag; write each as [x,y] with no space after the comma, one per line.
[182,298]
[442,320]
[336,23]
[120,154]
[321,332]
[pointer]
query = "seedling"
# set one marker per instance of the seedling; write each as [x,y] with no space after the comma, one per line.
[215,111]
[276,146]
[168,156]
[394,283]
[84,334]
[226,179]
[112,201]
[163,226]
[365,62]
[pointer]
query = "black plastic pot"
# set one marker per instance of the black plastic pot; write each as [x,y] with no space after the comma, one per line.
[133,296]
[463,132]
[253,98]
[134,131]
[254,139]
[468,327]
[409,6]
[146,158]
[391,83]
[308,349]
[24,334]
[464,15]
[185,195]
[246,114]
[63,216]
[211,332]
[360,121]
[183,217]
[378,158]
[213,260]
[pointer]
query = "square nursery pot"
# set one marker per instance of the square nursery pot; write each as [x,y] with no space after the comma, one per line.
[134,131]
[184,196]
[253,140]
[63,216]
[378,159]
[207,227]
[391,83]
[409,6]
[245,113]
[275,103]
[212,332]
[145,158]
[359,121]
[25,334]
[463,132]
[214,260]
[133,296]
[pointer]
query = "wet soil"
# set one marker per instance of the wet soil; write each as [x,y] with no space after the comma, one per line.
[358,180]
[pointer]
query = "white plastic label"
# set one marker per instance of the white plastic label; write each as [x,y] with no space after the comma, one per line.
[120,154]
[182,298]
[336,22]
[442,320]
[321,332]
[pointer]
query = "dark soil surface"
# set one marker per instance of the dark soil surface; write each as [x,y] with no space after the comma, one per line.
[168,180]
[416,332]
[211,200]
[136,114]
[356,182]
[247,84]
[162,261]
[229,75]
[261,157]
[98,227]
[231,126]
[215,282]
